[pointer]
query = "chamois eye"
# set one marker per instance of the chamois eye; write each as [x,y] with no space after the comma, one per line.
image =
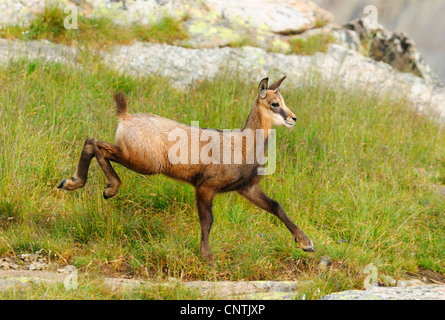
[275,104]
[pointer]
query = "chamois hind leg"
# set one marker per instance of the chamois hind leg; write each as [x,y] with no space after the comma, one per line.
[204,200]
[255,195]
[104,152]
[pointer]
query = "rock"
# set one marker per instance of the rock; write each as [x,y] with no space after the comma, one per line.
[19,12]
[344,37]
[23,278]
[410,283]
[393,48]
[42,49]
[424,292]
[338,65]
[37,266]
[209,23]
[142,12]
[421,20]
[324,262]
[8,264]
[67,269]
[283,17]
[27,257]
[247,290]
[269,24]
[387,280]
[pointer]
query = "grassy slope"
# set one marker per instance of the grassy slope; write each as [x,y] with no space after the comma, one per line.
[355,173]
[95,32]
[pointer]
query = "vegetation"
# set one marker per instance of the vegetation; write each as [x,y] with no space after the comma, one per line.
[89,288]
[311,45]
[94,32]
[358,173]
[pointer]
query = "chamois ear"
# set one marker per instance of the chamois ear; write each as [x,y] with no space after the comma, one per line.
[275,85]
[262,88]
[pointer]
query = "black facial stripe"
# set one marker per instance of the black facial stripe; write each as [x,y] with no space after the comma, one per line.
[281,112]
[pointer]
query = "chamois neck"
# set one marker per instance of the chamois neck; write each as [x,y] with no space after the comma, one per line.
[255,120]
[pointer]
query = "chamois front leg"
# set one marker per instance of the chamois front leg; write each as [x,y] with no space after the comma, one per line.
[204,200]
[255,195]
[104,152]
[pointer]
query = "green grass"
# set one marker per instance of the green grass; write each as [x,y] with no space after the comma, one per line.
[347,174]
[311,45]
[90,288]
[94,32]
[297,44]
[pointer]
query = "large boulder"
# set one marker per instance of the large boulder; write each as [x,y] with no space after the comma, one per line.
[394,48]
[282,17]
[209,23]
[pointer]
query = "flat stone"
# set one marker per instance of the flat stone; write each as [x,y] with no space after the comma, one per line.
[426,292]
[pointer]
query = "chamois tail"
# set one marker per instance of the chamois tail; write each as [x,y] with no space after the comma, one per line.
[121,103]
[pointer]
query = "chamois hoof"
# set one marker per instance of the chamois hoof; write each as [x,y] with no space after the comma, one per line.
[306,244]
[208,259]
[70,184]
[108,196]
[309,249]
[110,191]
[60,186]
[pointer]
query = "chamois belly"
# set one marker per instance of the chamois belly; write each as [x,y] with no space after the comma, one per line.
[243,177]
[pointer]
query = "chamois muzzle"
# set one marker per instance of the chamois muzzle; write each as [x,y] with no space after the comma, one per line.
[290,121]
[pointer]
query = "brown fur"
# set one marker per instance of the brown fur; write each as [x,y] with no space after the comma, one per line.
[121,103]
[142,145]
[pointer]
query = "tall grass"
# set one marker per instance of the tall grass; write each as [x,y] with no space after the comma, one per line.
[356,173]
[94,32]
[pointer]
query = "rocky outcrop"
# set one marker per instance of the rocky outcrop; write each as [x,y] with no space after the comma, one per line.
[338,66]
[210,23]
[271,25]
[394,48]
[421,20]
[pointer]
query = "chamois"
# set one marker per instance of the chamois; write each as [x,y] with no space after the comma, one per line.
[143,145]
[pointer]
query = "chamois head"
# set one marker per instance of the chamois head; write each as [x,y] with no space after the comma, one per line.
[272,106]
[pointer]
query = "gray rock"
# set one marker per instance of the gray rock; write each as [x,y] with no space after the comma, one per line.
[339,65]
[421,20]
[210,23]
[394,48]
[37,265]
[256,290]
[387,280]
[410,283]
[425,292]
[285,17]
[42,49]
[19,12]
